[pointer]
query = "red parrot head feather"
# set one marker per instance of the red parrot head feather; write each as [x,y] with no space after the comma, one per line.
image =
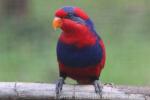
[68,18]
[76,26]
[68,11]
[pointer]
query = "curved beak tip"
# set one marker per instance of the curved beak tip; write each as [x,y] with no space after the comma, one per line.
[57,22]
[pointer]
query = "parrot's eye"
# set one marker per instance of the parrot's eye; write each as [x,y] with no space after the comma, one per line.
[69,15]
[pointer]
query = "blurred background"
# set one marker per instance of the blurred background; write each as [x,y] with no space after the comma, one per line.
[28,42]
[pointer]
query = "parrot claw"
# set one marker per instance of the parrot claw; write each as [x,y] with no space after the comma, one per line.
[59,85]
[98,87]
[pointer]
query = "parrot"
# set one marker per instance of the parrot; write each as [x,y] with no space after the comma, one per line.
[80,50]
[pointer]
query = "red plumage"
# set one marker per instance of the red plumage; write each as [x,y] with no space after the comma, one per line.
[81,13]
[79,35]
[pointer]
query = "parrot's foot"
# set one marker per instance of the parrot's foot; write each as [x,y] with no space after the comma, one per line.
[59,85]
[98,87]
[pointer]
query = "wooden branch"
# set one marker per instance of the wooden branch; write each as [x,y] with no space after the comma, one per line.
[42,91]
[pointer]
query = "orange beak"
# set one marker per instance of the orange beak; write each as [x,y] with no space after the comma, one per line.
[57,23]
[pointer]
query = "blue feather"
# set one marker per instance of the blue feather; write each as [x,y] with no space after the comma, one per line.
[72,56]
[68,9]
[90,24]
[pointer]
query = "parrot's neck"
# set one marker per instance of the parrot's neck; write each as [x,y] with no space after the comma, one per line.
[79,39]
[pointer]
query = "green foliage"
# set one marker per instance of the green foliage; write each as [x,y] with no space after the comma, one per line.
[27,46]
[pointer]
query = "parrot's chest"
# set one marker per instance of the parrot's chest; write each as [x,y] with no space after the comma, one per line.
[72,56]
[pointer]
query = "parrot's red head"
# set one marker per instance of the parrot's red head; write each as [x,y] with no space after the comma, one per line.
[75,24]
[68,12]
[69,16]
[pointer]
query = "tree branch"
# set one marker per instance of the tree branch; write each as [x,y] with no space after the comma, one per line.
[42,91]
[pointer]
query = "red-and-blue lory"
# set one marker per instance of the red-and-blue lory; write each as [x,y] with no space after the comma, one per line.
[80,50]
